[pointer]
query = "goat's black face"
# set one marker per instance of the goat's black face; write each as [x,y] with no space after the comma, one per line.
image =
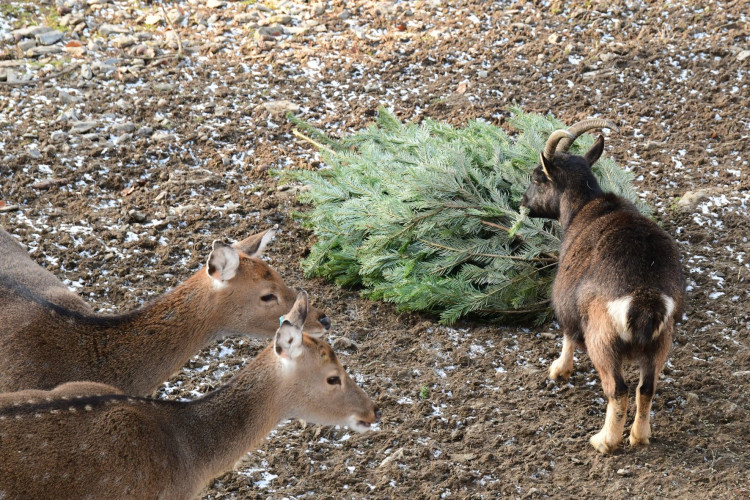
[553,177]
[542,197]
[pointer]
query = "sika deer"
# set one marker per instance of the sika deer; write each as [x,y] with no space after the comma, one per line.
[82,441]
[51,336]
[619,287]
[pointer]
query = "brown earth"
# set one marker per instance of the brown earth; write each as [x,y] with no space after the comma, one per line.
[468,411]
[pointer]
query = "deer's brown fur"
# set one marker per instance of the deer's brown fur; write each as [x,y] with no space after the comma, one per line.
[50,336]
[77,442]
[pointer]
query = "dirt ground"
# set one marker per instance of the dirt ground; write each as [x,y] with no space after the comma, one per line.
[182,152]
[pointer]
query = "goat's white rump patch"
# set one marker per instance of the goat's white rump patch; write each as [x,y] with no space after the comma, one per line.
[618,311]
[669,306]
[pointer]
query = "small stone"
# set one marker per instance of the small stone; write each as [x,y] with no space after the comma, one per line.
[44,51]
[108,29]
[164,87]
[122,139]
[122,128]
[86,73]
[623,472]
[554,38]
[215,4]
[280,19]
[742,373]
[691,199]
[136,216]
[245,17]
[30,32]
[175,16]
[318,9]
[608,56]
[58,136]
[123,41]
[66,98]
[152,19]
[145,131]
[341,343]
[743,55]
[26,44]
[83,127]
[548,335]
[270,31]
[34,152]
[49,38]
[281,107]
[482,73]
[691,397]
[163,137]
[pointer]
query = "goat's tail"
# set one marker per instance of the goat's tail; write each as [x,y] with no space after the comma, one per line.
[641,316]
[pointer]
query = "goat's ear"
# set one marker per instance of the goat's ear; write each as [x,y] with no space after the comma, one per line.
[223,262]
[593,154]
[255,245]
[288,340]
[547,166]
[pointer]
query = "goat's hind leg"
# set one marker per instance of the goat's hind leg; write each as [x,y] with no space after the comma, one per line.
[609,366]
[650,369]
[562,367]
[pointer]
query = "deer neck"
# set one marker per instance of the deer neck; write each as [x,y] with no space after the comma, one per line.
[175,325]
[223,426]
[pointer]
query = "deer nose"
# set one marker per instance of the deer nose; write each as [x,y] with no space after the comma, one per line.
[325,321]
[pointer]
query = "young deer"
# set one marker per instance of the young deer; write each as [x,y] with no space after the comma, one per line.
[49,335]
[86,440]
[619,287]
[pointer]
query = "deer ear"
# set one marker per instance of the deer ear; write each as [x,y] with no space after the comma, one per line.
[593,154]
[255,245]
[223,262]
[547,166]
[288,340]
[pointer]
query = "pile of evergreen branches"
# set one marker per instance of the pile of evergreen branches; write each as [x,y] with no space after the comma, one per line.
[427,215]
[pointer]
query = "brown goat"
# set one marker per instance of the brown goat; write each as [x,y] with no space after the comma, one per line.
[50,336]
[87,440]
[619,287]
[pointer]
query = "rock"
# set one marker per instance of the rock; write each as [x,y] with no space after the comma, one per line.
[83,127]
[691,199]
[163,137]
[163,87]
[34,152]
[123,41]
[608,56]
[44,51]
[136,216]
[691,397]
[122,128]
[101,67]
[26,44]
[270,31]
[623,472]
[548,335]
[742,373]
[75,48]
[554,38]
[30,32]
[215,4]
[281,107]
[122,139]
[49,37]
[58,136]
[145,131]
[341,343]
[245,17]
[107,29]
[280,19]
[743,55]
[152,19]
[86,73]
[482,73]
[176,16]
[66,98]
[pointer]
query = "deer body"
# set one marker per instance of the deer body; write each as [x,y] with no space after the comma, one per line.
[80,441]
[619,287]
[51,336]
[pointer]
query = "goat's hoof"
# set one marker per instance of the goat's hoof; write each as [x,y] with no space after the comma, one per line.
[600,444]
[638,441]
[557,371]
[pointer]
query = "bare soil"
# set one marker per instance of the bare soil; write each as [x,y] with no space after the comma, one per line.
[467,411]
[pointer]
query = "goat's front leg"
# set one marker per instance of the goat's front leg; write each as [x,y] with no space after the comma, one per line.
[562,367]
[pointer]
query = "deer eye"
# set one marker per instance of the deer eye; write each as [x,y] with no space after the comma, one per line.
[268,297]
[334,380]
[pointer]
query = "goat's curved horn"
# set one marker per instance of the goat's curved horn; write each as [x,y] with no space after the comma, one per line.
[579,128]
[554,138]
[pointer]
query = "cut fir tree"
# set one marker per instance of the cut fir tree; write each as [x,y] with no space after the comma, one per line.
[428,216]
